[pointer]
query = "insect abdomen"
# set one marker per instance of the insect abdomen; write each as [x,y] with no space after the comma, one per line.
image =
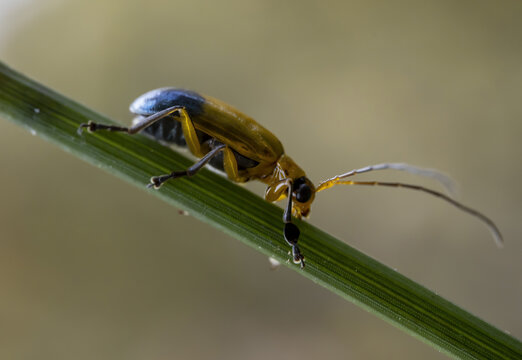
[166,130]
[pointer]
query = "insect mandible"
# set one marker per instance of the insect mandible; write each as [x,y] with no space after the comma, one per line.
[230,141]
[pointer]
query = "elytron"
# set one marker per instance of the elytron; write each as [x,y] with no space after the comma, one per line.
[230,141]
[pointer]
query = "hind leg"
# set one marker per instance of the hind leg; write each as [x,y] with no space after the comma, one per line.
[187,126]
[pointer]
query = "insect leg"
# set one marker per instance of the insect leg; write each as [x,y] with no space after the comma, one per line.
[230,165]
[191,137]
[157,181]
[138,126]
[291,231]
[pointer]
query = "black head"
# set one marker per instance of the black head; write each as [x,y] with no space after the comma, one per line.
[304,194]
[302,190]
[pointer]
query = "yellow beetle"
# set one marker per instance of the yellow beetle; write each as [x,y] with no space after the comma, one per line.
[233,142]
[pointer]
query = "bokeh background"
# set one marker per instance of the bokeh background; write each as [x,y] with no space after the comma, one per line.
[92,267]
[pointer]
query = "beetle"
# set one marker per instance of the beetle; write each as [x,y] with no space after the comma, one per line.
[230,141]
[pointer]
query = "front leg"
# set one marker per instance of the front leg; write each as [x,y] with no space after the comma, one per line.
[291,231]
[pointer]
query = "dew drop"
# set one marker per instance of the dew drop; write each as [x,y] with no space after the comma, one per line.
[274,264]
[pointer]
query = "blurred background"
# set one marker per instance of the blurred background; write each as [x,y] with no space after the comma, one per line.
[343,84]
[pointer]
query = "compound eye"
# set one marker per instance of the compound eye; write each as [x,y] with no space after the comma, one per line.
[303,193]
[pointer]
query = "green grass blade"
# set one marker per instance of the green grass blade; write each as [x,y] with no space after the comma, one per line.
[213,199]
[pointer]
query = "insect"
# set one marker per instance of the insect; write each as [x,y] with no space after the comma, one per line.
[230,141]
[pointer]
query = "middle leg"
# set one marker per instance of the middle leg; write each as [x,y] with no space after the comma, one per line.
[157,181]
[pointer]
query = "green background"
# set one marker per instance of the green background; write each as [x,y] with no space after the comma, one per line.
[91,267]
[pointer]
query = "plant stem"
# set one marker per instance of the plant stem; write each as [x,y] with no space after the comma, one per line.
[245,216]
